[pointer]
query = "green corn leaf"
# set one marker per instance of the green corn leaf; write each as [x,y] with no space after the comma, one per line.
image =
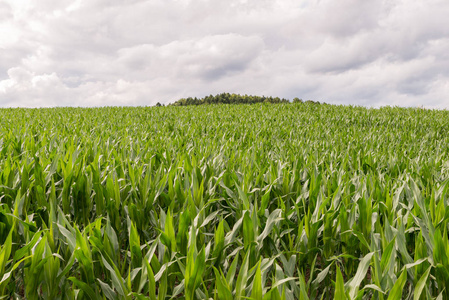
[303,288]
[107,290]
[134,244]
[85,287]
[241,282]
[387,255]
[339,293]
[151,281]
[117,280]
[194,272]
[248,231]
[396,291]
[170,231]
[230,276]
[421,284]
[224,293]
[257,292]
[354,284]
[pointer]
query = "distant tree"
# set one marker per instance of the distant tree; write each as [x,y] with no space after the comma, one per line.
[312,102]
[227,98]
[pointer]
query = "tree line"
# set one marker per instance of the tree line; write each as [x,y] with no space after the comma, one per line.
[228,98]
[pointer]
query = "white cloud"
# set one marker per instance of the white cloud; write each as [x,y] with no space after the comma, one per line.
[98,52]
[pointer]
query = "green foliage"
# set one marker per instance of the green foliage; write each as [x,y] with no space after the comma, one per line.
[227,98]
[288,201]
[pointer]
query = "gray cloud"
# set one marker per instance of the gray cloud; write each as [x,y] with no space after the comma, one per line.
[5,12]
[97,52]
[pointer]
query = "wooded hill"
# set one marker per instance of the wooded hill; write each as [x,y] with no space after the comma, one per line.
[227,98]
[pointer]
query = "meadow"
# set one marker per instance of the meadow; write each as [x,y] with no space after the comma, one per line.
[263,201]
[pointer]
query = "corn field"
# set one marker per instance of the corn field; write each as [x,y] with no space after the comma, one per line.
[287,201]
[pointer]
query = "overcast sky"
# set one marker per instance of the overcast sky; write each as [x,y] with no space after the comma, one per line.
[136,52]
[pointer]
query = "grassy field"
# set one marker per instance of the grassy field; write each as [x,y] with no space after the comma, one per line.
[286,201]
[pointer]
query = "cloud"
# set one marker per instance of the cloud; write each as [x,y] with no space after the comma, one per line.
[24,89]
[208,58]
[97,52]
[5,12]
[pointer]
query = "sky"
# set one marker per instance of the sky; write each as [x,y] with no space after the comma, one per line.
[137,53]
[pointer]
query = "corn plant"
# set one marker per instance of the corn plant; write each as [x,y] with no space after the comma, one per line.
[263,201]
